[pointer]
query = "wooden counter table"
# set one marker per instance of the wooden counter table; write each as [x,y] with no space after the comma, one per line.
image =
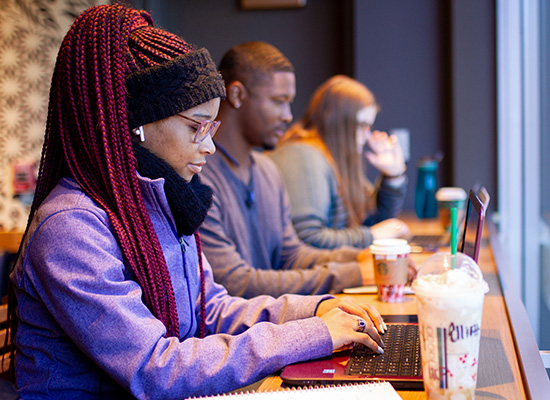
[510,366]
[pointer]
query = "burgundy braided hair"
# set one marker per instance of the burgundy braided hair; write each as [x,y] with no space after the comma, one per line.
[88,138]
[202,326]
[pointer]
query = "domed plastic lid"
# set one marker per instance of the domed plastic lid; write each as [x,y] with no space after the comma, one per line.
[445,273]
[390,246]
[451,194]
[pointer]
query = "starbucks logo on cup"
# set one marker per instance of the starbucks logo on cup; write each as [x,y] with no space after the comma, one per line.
[382,268]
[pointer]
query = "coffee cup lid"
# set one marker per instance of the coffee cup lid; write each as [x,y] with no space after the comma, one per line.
[450,194]
[390,246]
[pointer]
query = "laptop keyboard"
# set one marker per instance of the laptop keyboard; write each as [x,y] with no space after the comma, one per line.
[401,354]
[429,240]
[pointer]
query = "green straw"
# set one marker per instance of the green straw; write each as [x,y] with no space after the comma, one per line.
[453,237]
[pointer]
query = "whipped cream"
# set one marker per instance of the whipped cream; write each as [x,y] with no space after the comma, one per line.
[452,280]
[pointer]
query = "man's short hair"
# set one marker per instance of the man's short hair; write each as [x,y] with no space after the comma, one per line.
[252,63]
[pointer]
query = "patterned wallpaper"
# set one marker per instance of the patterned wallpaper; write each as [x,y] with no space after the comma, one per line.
[30,34]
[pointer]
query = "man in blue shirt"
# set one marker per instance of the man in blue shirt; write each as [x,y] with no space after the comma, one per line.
[248,234]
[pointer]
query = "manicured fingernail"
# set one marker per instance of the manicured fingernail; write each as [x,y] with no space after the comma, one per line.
[380,350]
[385,326]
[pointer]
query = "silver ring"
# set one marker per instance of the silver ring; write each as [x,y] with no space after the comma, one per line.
[361,325]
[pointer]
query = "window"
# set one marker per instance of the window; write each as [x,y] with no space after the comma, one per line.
[523,68]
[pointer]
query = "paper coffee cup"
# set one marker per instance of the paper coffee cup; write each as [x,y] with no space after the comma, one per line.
[447,198]
[390,258]
[449,293]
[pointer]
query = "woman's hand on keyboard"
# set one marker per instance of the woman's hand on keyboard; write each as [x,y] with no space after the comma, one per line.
[341,316]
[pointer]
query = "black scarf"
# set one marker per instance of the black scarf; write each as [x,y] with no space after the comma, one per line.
[189,202]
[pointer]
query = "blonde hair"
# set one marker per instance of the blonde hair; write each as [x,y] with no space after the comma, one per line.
[330,124]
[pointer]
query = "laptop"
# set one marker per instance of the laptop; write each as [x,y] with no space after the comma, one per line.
[428,243]
[432,243]
[473,224]
[401,362]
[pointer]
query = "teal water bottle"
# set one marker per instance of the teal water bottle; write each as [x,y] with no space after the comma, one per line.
[425,203]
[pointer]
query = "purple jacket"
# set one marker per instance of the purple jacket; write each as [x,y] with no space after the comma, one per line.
[86,333]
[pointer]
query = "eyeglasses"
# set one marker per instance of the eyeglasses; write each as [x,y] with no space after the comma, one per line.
[204,129]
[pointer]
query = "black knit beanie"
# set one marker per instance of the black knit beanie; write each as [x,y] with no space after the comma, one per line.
[167,75]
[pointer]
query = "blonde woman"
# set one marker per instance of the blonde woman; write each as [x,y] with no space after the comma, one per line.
[321,160]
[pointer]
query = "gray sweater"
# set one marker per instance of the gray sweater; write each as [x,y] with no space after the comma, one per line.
[253,247]
[317,208]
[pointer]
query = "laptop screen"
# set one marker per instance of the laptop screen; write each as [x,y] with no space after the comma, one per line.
[473,227]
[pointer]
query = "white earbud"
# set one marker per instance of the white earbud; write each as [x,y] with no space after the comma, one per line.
[139,131]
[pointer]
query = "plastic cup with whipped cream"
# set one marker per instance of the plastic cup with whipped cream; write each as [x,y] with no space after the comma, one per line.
[450,290]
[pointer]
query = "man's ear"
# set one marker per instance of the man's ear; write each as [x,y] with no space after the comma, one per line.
[236,94]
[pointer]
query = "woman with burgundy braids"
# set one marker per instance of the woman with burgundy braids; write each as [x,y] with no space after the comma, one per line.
[112,296]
